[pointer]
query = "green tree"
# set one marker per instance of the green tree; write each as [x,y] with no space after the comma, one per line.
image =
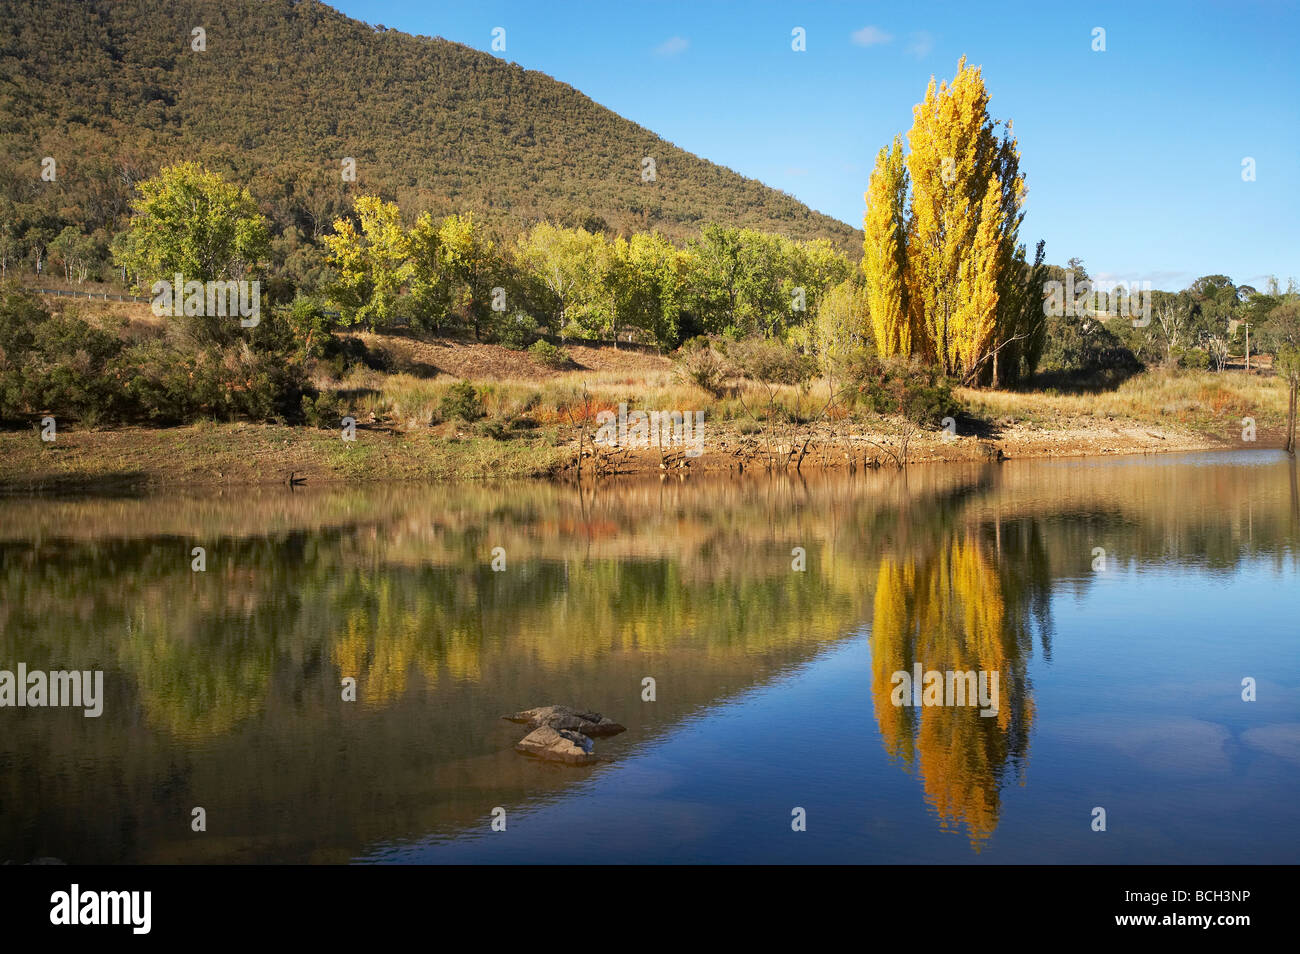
[649,278]
[191,222]
[373,262]
[75,251]
[11,246]
[743,281]
[473,267]
[1022,324]
[717,278]
[430,290]
[814,268]
[570,264]
[841,325]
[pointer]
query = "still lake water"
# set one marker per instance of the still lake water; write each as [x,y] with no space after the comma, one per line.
[1120,673]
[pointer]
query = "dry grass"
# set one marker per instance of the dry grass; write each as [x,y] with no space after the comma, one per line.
[1189,397]
[406,400]
[1200,400]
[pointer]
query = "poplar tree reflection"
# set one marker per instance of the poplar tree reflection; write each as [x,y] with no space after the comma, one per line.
[968,602]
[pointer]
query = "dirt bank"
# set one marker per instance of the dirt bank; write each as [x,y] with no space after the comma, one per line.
[131,459]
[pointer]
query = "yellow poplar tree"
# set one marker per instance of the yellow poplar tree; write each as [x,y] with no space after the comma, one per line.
[967,192]
[975,327]
[884,258]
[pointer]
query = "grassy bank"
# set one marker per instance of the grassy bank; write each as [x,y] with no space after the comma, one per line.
[239,454]
[531,428]
[1204,402]
[525,417]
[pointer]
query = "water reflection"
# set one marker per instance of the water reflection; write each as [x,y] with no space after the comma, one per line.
[961,604]
[224,686]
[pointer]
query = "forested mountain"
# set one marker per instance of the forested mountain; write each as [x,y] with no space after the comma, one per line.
[286,89]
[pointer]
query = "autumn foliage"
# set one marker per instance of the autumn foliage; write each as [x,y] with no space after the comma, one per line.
[945,271]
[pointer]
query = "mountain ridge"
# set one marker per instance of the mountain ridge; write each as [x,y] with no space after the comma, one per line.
[283,90]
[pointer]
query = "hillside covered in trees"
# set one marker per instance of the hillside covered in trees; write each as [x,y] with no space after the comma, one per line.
[284,90]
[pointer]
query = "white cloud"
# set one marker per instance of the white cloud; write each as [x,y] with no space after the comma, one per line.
[672,47]
[920,44]
[871,36]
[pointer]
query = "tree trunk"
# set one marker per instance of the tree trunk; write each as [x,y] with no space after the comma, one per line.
[1291,416]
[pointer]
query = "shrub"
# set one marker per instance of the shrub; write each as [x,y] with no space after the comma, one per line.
[54,363]
[493,428]
[169,386]
[548,355]
[1194,359]
[162,385]
[1077,345]
[771,361]
[308,325]
[516,331]
[335,367]
[323,410]
[66,365]
[339,355]
[907,388]
[698,363]
[462,402]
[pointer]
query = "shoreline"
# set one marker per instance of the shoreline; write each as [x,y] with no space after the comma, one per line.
[217,455]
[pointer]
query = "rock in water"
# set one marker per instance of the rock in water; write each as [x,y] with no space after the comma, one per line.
[562,717]
[558,745]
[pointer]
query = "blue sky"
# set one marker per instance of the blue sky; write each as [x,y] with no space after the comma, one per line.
[1133,156]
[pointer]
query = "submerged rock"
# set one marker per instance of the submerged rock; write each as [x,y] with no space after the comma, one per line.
[562,717]
[558,745]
